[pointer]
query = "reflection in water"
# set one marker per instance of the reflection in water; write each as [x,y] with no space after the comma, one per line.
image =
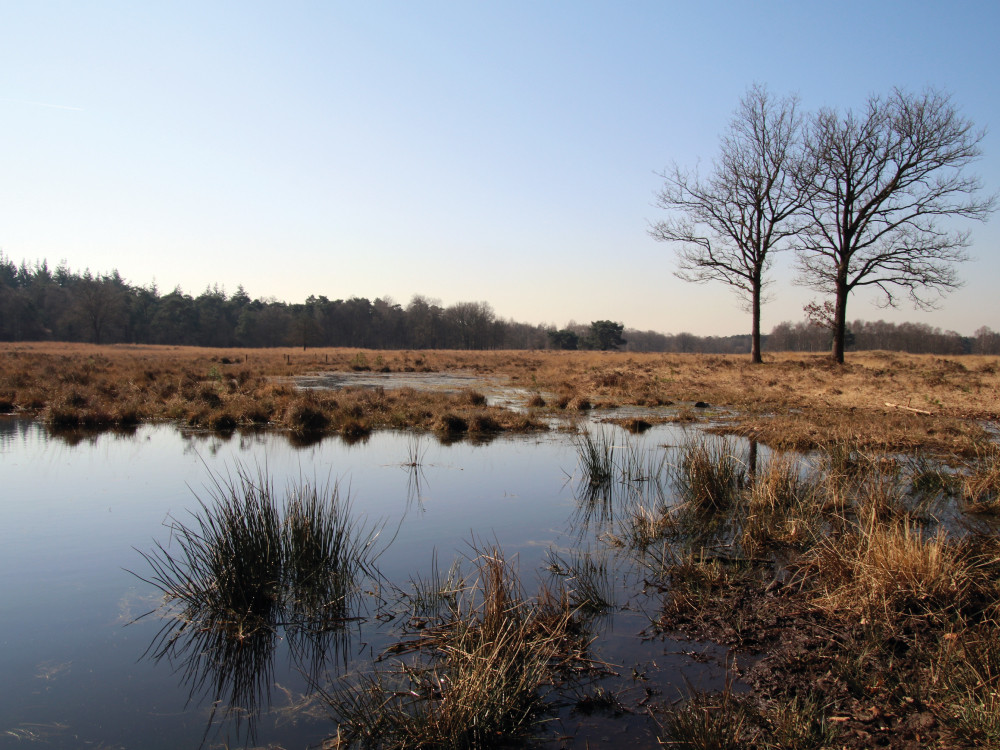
[73,514]
[16,430]
[618,476]
[587,577]
[249,571]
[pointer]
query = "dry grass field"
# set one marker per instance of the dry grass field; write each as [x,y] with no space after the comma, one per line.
[878,400]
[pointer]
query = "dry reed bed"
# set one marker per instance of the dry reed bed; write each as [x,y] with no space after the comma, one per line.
[878,400]
[874,624]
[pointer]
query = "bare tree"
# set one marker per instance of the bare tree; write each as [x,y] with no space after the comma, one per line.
[728,227]
[881,183]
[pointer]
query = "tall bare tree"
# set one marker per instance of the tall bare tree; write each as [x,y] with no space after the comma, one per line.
[881,184]
[728,227]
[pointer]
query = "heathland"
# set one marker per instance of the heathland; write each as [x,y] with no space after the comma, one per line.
[878,400]
[853,569]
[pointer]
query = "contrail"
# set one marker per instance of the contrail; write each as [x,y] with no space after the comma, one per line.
[44,104]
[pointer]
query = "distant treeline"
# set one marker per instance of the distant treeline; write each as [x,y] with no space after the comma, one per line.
[916,338]
[38,303]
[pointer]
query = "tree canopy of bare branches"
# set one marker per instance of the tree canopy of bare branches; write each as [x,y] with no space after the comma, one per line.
[727,227]
[882,184]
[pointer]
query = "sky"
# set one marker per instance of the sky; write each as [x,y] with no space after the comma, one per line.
[505,152]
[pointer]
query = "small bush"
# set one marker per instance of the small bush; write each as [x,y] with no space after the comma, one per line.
[484,423]
[536,401]
[475,398]
[306,416]
[452,424]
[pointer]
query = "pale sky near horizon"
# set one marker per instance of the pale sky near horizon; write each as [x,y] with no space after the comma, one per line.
[465,151]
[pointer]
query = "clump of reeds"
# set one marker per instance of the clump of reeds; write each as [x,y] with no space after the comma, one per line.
[709,474]
[784,507]
[431,599]
[354,430]
[474,397]
[452,424]
[586,578]
[640,525]
[967,667]
[613,474]
[474,680]
[595,455]
[324,555]
[980,483]
[881,570]
[306,416]
[249,567]
[709,721]
[798,724]
[690,577]
[483,422]
[636,425]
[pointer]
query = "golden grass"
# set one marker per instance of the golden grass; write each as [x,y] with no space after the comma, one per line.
[980,483]
[795,401]
[884,570]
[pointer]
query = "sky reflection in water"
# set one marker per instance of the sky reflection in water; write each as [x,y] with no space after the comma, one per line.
[78,510]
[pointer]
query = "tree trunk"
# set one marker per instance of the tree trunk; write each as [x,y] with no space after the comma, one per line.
[755,332]
[840,323]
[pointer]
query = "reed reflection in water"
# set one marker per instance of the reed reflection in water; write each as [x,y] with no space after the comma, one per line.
[248,570]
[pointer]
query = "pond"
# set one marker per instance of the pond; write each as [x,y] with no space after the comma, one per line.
[80,511]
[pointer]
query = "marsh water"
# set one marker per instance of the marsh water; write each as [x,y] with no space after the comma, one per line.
[80,509]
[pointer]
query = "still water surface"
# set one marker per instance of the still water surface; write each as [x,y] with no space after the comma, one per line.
[77,510]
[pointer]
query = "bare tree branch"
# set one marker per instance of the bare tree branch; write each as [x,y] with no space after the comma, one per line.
[880,184]
[727,227]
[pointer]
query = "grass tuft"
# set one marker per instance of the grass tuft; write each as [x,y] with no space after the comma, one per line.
[709,475]
[248,568]
[595,456]
[473,681]
[980,484]
[882,570]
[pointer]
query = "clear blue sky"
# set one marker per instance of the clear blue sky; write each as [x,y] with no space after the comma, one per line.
[497,151]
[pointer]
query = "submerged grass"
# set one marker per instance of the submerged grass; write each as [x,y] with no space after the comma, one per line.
[474,680]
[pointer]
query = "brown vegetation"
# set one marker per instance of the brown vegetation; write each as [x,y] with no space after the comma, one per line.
[876,400]
[869,622]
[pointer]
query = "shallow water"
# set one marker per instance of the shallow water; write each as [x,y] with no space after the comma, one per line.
[78,509]
[495,389]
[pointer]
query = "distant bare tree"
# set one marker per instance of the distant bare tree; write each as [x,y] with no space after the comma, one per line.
[727,227]
[880,183]
[986,341]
